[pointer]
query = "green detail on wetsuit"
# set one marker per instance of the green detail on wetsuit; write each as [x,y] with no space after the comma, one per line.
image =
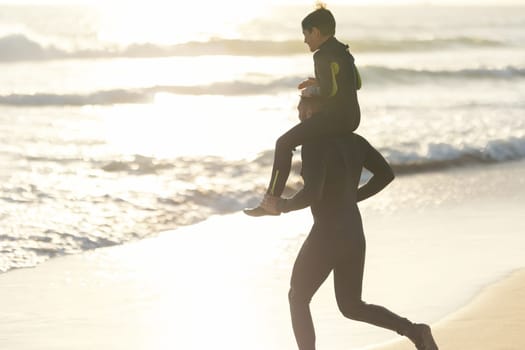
[334,68]
[274,181]
[358,82]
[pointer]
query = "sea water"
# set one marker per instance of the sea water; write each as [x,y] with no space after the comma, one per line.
[112,133]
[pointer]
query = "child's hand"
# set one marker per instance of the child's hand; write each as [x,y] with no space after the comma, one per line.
[310,91]
[306,83]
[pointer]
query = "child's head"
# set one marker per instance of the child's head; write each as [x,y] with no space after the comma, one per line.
[322,19]
[318,26]
[308,106]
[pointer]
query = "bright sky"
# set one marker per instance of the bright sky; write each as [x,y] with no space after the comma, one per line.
[225,3]
[125,21]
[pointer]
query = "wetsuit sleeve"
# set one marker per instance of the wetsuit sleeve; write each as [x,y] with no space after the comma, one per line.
[382,173]
[326,71]
[313,171]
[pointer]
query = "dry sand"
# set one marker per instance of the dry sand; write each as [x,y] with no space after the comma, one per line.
[494,320]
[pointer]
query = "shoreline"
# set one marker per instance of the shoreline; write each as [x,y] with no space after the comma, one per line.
[494,319]
[224,281]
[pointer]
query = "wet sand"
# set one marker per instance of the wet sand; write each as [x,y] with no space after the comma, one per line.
[447,246]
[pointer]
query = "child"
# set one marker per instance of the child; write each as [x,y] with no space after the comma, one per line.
[336,82]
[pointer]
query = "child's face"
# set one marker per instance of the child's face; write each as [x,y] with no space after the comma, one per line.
[312,38]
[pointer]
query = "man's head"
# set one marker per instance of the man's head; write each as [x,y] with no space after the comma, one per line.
[317,27]
[308,106]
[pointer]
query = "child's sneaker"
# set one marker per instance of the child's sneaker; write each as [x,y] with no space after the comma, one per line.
[268,206]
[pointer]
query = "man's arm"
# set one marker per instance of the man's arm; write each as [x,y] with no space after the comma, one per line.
[382,173]
[314,171]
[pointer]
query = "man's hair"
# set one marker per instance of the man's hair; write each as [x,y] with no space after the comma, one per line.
[313,103]
[322,19]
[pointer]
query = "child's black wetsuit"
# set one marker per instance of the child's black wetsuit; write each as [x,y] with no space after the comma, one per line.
[338,81]
[336,241]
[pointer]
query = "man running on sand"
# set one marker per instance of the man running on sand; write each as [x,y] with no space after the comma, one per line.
[331,170]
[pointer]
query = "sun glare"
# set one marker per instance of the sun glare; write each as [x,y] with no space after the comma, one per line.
[173,22]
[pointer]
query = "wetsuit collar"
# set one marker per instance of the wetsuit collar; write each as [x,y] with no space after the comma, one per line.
[330,42]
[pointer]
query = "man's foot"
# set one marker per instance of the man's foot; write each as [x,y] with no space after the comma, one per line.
[268,206]
[421,336]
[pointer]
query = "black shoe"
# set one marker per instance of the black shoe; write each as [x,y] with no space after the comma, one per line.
[425,340]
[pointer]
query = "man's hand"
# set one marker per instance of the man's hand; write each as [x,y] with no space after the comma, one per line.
[306,83]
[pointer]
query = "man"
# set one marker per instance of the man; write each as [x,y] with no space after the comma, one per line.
[331,170]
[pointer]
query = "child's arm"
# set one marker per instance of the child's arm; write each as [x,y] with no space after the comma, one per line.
[306,83]
[326,71]
[325,83]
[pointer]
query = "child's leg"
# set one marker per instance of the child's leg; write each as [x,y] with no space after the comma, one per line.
[318,126]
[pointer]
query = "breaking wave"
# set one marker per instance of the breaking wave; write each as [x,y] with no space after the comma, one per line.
[372,75]
[440,156]
[110,217]
[18,47]
[437,156]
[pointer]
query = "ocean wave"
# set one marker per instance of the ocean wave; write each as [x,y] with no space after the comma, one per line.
[18,47]
[109,97]
[440,156]
[436,156]
[378,74]
[146,95]
[111,215]
[382,45]
[371,75]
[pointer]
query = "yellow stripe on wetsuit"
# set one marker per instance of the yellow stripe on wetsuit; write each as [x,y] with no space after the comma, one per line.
[358,81]
[334,69]
[272,190]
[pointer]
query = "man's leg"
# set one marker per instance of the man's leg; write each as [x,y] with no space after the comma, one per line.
[348,280]
[311,268]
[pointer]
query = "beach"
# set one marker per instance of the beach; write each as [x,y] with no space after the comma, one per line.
[493,320]
[223,283]
[133,140]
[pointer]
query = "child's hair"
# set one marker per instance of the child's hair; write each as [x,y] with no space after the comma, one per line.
[322,19]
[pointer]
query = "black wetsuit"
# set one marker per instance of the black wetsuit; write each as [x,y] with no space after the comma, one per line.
[338,81]
[336,241]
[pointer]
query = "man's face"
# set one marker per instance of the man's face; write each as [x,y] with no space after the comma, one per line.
[303,110]
[306,108]
[312,38]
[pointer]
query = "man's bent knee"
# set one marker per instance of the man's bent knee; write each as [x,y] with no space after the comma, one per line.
[295,297]
[353,310]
